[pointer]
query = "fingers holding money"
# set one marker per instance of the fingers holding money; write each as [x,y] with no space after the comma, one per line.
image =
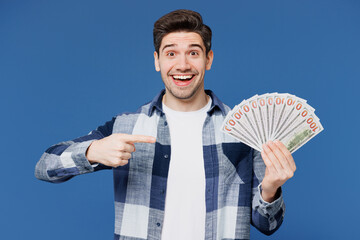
[280,167]
[287,155]
[116,149]
[280,157]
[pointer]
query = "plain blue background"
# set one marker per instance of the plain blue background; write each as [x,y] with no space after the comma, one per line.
[67,67]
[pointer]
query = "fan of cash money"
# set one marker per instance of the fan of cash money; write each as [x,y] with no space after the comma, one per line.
[273,116]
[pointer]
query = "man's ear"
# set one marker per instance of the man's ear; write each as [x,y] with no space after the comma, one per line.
[156,61]
[209,60]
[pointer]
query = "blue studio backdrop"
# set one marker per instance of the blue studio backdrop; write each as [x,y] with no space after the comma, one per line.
[67,67]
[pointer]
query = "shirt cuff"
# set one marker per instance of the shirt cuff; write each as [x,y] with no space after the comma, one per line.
[78,154]
[273,207]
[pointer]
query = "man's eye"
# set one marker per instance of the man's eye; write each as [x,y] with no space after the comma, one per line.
[193,53]
[171,54]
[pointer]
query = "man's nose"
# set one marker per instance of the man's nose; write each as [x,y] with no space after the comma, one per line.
[183,63]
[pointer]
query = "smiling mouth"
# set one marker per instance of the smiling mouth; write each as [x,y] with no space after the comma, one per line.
[183,80]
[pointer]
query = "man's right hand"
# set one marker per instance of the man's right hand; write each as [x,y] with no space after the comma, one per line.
[115,150]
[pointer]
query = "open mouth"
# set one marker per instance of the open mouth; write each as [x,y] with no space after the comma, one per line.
[183,80]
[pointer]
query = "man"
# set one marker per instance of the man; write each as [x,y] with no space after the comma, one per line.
[176,175]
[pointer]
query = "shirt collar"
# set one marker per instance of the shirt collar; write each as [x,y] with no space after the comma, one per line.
[216,104]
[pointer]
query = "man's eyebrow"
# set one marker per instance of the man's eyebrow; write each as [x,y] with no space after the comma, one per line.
[197,45]
[168,45]
[191,45]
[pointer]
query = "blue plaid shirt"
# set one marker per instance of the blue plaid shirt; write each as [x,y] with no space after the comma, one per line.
[233,174]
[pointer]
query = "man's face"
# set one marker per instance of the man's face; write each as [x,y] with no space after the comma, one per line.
[182,62]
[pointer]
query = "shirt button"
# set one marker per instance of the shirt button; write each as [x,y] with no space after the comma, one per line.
[166,156]
[165,123]
[162,191]
[158,224]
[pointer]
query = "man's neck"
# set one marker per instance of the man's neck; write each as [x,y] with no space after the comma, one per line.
[186,105]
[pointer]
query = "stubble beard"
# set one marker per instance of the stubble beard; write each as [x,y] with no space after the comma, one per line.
[182,94]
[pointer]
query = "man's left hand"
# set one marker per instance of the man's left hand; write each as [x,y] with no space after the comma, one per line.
[280,167]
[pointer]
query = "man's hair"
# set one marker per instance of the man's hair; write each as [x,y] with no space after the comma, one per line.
[181,20]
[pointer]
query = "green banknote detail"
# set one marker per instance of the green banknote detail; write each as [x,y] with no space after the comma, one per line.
[299,139]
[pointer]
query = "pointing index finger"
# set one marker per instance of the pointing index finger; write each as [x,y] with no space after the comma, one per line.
[139,138]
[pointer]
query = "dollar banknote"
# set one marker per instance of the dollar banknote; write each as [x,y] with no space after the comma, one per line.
[273,116]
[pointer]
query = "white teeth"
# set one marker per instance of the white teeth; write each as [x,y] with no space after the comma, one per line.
[182,77]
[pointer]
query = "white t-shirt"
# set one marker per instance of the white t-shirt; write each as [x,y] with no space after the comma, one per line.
[185,208]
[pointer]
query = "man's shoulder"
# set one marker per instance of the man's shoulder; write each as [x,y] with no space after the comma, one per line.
[126,122]
[217,104]
[143,109]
